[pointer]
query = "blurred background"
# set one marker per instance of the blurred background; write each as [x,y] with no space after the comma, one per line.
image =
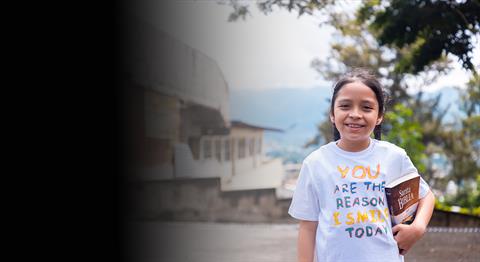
[224,99]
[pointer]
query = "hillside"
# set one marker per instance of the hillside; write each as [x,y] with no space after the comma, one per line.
[297,111]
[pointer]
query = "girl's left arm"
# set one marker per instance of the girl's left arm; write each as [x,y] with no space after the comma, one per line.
[407,235]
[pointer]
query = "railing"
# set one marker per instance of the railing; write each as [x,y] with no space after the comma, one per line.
[453,229]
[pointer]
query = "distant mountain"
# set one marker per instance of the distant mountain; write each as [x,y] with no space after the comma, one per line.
[298,111]
[285,108]
[295,110]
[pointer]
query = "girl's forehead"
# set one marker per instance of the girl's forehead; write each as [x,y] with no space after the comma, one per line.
[356,91]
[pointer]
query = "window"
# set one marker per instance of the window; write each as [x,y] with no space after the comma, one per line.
[218,149]
[251,147]
[207,149]
[227,150]
[241,148]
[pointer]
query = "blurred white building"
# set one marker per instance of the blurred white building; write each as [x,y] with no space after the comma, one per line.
[181,120]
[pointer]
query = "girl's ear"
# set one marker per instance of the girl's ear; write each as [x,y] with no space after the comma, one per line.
[379,120]
[332,118]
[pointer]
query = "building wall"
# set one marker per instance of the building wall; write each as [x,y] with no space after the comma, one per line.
[267,175]
[161,128]
[168,147]
[187,167]
[157,60]
[202,200]
[162,116]
[168,79]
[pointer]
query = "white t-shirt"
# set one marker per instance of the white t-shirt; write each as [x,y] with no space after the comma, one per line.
[344,192]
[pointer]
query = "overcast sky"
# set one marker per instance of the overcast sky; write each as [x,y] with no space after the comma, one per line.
[264,51]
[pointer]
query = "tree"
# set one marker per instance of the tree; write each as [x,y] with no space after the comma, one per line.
[356,46]
[406,133]
[471,99]
[463,149]
[431,28]
[241,8]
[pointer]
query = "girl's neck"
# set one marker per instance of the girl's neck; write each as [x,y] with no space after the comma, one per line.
[353,146]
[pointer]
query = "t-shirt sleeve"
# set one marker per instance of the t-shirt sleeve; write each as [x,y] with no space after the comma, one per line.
[408,167]
[304,204]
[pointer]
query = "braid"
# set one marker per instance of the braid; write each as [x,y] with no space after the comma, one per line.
[378,132]
[336,134]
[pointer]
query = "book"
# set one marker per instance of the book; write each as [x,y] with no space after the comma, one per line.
[402,197]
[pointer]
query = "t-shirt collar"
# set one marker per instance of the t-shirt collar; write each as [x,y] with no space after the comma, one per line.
[364,152]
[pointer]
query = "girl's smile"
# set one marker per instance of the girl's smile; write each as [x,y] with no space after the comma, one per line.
[355,126]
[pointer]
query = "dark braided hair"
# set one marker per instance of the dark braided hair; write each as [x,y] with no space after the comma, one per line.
[367,78]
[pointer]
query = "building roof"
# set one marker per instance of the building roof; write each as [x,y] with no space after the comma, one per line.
[241,124]
[158,61]
[209,120]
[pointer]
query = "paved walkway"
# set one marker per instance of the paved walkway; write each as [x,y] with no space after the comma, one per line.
[215,242]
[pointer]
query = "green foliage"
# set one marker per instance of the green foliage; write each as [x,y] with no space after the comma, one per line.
[461,148]
[406,133]
[241,8]
[356,46]
[239,11]
[468,198]
[471,99]
[477,197]
[465,199]
[431,28]
[467,211]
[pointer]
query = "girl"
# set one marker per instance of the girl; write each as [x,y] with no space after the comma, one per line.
[340,196]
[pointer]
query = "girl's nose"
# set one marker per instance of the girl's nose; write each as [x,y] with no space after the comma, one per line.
[354,114]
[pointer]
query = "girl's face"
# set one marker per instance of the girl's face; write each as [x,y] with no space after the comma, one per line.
[355,114]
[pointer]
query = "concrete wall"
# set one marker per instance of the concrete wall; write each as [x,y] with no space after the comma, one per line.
[451,219]
[202,200]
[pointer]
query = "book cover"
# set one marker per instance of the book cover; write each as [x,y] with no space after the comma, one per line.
[402,198]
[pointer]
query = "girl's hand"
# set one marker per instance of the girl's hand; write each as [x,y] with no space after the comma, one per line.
[407,235]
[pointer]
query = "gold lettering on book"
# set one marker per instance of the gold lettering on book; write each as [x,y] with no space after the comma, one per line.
[403,200]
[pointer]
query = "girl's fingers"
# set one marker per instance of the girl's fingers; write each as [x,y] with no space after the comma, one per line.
[396,228]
